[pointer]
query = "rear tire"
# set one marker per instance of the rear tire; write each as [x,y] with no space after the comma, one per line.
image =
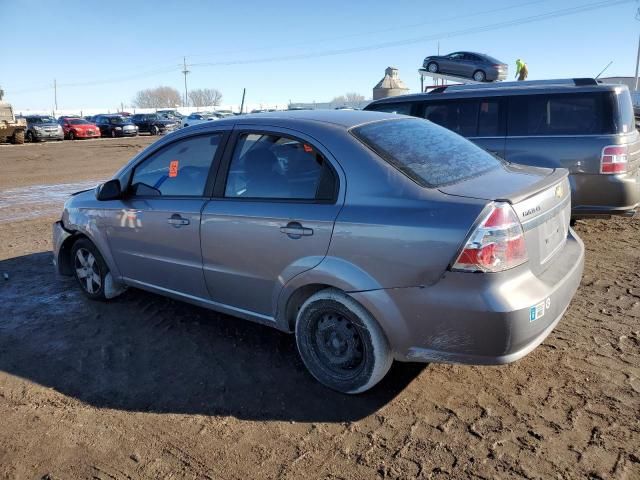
[89,269]
[18,137]
[479,76]
[433,67]
[340,343]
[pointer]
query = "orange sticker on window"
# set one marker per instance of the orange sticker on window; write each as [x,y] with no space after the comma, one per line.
[307,148]
[173,168]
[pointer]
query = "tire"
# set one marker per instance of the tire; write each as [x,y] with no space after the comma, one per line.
[340,343]
[18,137]
[113,133]
[29,138]
[479,76]
[72,136]
[89,269]
[153,130]
[433,67]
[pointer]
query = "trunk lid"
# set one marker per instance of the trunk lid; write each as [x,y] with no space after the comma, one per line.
[540,197]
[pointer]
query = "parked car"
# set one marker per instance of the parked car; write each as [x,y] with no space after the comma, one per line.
[153,124]
[170,113]
[198,117]
[436,251]
[41,128]
[74,127]
[477,66]
[578,124]
[115,126]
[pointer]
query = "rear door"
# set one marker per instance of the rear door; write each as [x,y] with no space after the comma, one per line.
[276,200]
[154,232]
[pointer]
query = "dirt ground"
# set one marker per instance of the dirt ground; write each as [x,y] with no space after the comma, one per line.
[145,387]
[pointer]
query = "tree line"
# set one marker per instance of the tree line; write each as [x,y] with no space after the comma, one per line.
[159,97]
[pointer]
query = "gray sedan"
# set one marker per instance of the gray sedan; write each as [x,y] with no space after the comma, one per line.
[371,236]
[477,66]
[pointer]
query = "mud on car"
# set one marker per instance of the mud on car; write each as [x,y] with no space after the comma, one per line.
[371,237]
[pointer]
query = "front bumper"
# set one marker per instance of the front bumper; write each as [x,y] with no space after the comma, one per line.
[477,318]
[87,134]
[597,194]
[44,135]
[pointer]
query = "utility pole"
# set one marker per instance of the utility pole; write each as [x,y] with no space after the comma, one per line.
[637,63]
[55,94]
[185,73]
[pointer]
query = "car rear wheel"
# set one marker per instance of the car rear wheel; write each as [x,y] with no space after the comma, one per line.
[89,268]
[433,67]
[340,343]
[479,76]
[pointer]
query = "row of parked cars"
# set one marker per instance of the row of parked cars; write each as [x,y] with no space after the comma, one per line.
[46,127]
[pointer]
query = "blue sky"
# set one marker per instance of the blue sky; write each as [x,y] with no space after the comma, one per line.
[140,44]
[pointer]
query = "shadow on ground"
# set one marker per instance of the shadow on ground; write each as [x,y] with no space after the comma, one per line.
[144,352]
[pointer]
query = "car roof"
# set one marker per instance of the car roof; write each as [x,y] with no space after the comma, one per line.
[497,89]
[343,118]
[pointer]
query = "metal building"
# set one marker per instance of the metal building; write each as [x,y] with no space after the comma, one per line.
[390,85]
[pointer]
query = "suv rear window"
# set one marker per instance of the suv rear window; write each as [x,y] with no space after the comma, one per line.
[561,114]
[430,155]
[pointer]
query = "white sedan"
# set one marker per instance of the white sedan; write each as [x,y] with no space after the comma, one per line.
[198,117]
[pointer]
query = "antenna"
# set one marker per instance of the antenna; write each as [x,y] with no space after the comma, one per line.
[603,70]
[185,72]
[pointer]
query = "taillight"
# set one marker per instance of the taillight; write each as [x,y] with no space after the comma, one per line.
[496,244]
[614,159]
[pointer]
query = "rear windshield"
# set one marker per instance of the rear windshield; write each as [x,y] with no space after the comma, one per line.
[430,155]
[625,121]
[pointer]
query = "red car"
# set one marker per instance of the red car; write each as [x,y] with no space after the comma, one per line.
[78,128]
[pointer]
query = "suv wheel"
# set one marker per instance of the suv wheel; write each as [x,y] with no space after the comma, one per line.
[340,343]
[113,133]
[479,76]
[153,130]
[433,67]
[29,136]
[89,268]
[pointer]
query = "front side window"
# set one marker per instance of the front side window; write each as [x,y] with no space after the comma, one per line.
[403,108]
[430,155]
[179,169]
[278,167]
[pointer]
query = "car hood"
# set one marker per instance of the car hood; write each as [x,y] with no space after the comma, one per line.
[509,182]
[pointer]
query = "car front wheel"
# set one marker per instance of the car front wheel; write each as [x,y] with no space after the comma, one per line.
[89,268]
[433,67]
[340,343]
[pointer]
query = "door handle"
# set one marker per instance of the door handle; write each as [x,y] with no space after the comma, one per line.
[177,221]
[295,230]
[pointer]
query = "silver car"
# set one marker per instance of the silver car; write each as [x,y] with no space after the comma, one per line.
[373,237]
[477,66]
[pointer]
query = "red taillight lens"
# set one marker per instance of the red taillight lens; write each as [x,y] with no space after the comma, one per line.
[497,244]
[614,159]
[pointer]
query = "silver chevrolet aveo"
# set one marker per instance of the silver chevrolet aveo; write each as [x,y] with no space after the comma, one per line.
[374,237]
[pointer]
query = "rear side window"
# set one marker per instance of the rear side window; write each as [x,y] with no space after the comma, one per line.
[430,155]
[625,119]
[403,108]
[562,114]
[179,169]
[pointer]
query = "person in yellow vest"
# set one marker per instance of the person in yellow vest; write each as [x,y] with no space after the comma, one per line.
[521,70]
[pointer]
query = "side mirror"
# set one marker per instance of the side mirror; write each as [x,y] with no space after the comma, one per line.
[110,190]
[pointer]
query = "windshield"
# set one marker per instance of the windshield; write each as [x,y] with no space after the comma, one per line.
[117,120]
[78,121]
[42,120]
[430,155]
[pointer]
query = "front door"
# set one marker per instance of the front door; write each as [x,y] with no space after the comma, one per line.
[271,220]
[155,235]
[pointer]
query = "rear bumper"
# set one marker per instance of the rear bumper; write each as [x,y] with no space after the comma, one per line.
[479,318]
[594,195]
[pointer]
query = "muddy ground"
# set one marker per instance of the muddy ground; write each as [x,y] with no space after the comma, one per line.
[146,387]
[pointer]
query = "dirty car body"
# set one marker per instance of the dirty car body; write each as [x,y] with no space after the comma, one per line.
[455,256]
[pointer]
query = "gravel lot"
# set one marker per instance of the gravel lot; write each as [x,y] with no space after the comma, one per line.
[146,387]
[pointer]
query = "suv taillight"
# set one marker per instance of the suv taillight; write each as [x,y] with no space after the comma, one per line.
[496,244]
[614,159]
